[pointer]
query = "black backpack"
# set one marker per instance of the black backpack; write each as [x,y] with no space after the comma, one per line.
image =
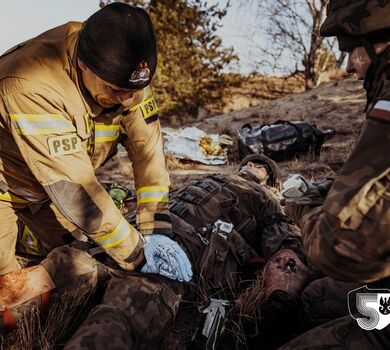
[282,139]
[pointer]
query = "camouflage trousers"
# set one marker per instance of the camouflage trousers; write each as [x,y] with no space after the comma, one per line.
[325,305]
[71,277]
[135,313]
[342,333]
[325,299]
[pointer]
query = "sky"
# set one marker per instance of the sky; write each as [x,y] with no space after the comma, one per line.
[23,19]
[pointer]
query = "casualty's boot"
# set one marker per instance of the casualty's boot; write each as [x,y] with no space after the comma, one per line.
[65,273]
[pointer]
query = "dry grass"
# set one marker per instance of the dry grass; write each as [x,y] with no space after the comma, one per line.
[261,89]
[35,331]
[242,315]
[331,74]
[245,315]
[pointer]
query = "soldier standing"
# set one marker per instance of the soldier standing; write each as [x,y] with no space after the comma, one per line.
[346,233]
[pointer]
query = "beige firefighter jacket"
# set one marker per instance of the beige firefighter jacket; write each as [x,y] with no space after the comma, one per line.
[53,136]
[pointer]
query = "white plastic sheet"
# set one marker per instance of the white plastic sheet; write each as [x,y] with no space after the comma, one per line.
[184,144]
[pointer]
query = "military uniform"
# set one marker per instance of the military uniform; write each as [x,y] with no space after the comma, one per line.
[137,310]
[350,226]
[52,138]
[345,234]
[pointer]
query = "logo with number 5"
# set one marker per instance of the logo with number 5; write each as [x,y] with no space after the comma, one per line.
[370,307]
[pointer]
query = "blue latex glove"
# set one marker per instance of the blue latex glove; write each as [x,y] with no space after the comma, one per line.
[165,257]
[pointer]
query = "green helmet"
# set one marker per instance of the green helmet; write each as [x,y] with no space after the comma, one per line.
[355,22]
[274,179]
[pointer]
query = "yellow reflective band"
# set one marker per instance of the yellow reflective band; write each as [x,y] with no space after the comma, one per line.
[149,194]
[88,122]
[148,106]
[116,237]
[29,242]
[41,124]
[106,133]
[9,197]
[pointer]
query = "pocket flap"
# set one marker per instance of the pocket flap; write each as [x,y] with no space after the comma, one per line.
[84,125]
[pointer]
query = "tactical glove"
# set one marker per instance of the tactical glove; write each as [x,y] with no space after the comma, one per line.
[167,258]
[295,186]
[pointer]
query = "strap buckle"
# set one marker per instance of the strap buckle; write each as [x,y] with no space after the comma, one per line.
[204,240]
[205,186]
[179,209]
[187,197]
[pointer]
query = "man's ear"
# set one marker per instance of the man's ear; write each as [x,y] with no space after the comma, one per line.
[82,65]
[250,165]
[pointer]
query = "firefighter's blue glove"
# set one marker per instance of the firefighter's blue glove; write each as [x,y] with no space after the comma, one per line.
[165,257]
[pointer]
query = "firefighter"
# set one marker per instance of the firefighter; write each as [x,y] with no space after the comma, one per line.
[68,96]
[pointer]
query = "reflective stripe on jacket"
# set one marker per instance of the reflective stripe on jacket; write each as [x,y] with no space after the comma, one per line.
[48,141]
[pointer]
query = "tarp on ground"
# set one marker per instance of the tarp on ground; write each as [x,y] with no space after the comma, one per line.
[194,144]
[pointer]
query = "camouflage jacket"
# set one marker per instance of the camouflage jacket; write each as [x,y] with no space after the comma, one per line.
[346,234]
[260,227]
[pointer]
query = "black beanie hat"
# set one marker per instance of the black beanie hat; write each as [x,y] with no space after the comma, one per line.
[118,44]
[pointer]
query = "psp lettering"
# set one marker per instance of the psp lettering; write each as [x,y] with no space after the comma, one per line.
[150,106]
[63,145]
[66,144]
[370,307]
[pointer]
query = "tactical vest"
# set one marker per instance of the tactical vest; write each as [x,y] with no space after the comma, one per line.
[218,256]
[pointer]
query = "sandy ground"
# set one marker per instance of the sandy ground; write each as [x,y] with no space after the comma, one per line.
[338,104]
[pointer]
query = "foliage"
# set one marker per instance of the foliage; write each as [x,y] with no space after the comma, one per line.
[191,56]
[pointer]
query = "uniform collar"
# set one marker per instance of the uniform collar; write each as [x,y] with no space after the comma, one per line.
[375,76]
[74,72]
[248,176]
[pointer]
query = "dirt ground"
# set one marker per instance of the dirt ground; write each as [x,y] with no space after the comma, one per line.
[338,104]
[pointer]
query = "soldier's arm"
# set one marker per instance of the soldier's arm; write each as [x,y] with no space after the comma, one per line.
[145,149]
[347,236]
[274,229]
[56,154]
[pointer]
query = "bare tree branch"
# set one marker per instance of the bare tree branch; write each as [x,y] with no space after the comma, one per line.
[291,29]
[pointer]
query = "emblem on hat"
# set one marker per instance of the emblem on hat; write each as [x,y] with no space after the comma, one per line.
[141,74]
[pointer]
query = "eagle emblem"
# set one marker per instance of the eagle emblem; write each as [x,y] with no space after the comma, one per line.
[141,74]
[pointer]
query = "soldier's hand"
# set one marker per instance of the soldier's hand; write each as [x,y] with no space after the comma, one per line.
[165,257]
[324,186]
[295,186]
[296,208]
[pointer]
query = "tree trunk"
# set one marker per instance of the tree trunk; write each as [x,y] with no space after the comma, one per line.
[311,58]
